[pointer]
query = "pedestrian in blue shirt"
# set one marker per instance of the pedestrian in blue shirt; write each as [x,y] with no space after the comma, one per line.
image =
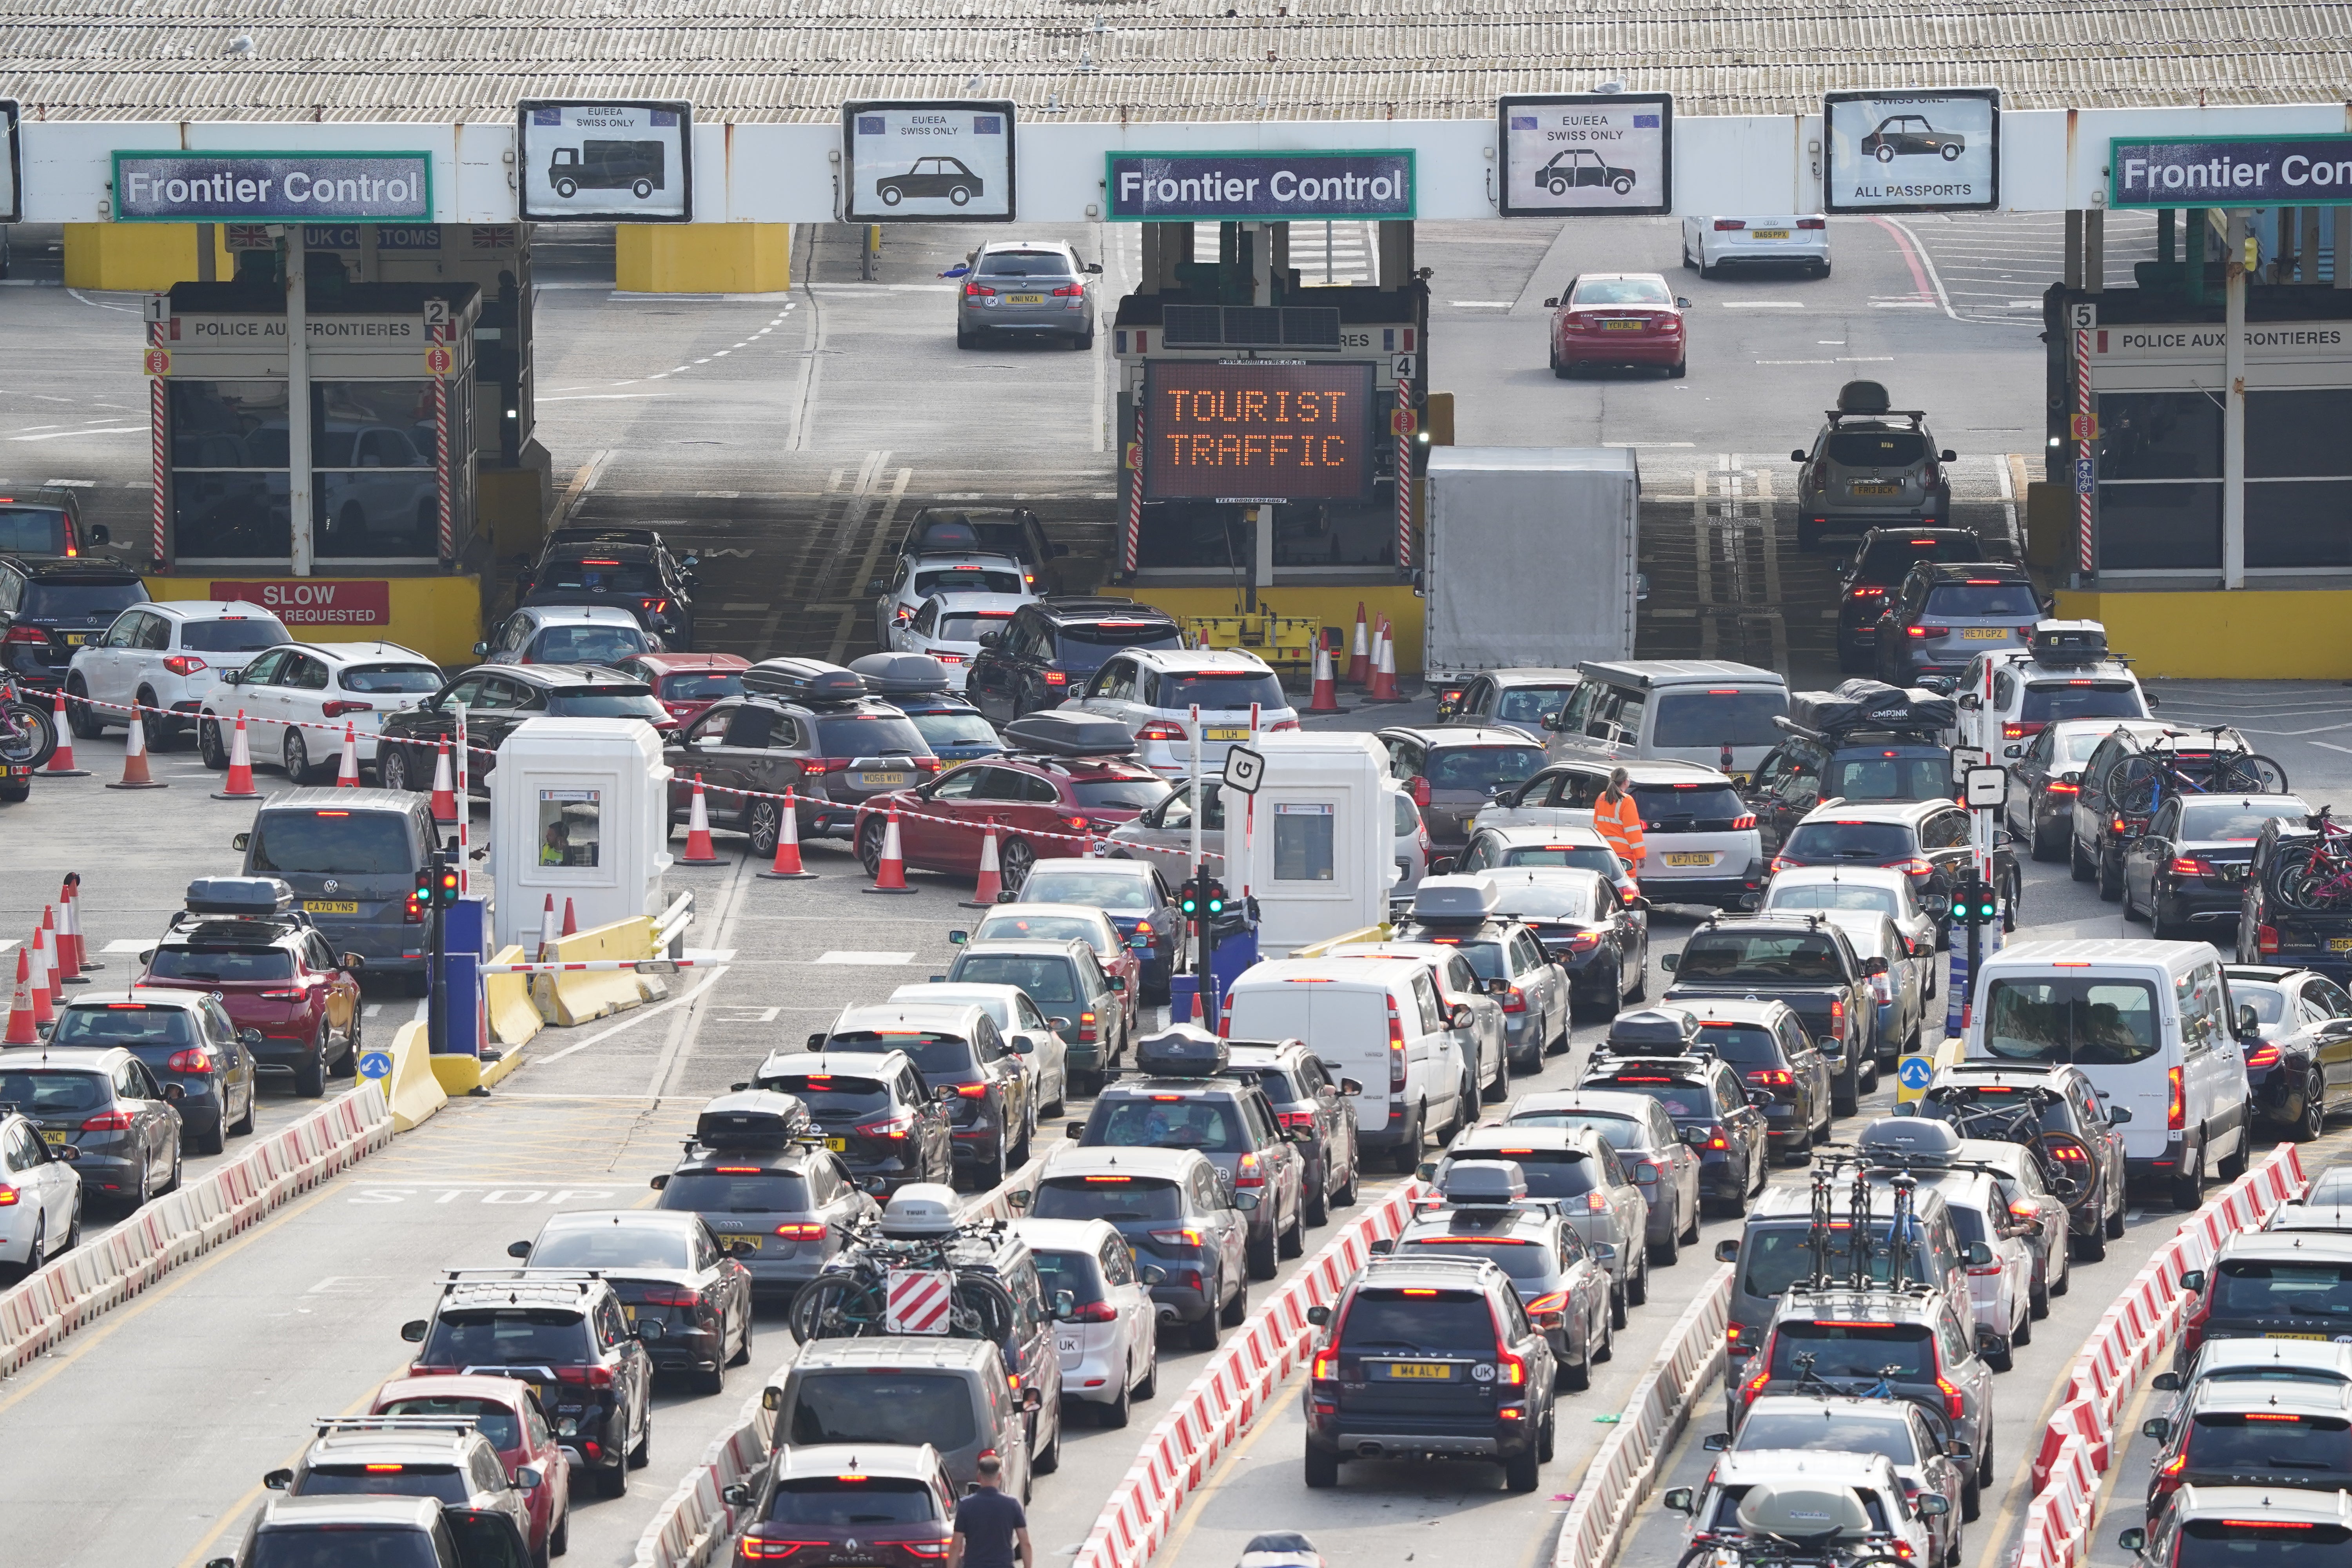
[989,1524]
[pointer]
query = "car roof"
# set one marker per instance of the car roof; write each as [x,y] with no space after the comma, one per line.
[906,1351]
[199,609]
[390,1446]
[974,599]
[1655,672]
[578,614]
[857,1064]
[1395,1271]
[1622,1067]
[2302,1354]
[1445,1219]
[1506,1135]
[347,653]
[1978,571]
[2280,1246]
[237,931]
[1145,1084]
[796,1460]
[681,1221]
[1532,674]
[1912,1303]
[2223,1397]
[1589,276]
[1028,946]
[1064,1235]
[560,674]
[1753,1466]
[2072,952]
[329,798]
[548,1289]
[71,1058]
[1837,1403]
[1062,911]
[511,1392]
[2282,1503]
[418,1513]
[1517,833]
[1601,1102]
[1077,1160]
[679,663]
[1095,608]
[1796,1202]
[1367,970]
[1839,809]
[1200,660]
[72,569]
[1737,1010]
[2021,1075]
[1463,734]
[1139,869]
[1864,876]
[1024,245]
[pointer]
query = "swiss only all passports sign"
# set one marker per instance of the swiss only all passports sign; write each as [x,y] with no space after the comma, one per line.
[273,187]
[1912,151]
[1258,187]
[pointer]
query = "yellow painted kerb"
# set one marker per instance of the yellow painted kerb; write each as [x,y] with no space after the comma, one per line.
[2255,634]
[702,258]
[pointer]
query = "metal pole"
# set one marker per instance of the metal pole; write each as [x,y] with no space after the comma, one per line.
[1199,868]
[299,479]
[465,808]
[2234,404]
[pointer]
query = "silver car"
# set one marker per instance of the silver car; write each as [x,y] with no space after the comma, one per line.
[1648,1147]
[1025,288]
[1869,467]
[1578,1169]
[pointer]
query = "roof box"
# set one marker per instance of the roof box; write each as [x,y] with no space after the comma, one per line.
[2069,642]
[249,895]
[1865,704]
[810,680]
[1910,1140]
[1863,397]
[1483,1184]
[920,1210]
[750,1118]
[1653,1032]
[1182,1050]
[1056,733]
[1799,1511]
[900,674]
[1456,899]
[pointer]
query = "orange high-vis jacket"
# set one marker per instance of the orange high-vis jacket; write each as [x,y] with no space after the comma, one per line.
[1621,824]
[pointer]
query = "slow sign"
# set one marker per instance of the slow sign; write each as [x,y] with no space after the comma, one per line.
[1257,430]
[316,601]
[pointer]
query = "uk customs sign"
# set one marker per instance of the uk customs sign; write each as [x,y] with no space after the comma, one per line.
[2229,170]
[273,187]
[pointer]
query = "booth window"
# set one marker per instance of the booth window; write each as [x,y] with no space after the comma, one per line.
[2159,481]
[375,450]
[570,826]
[2299,478]
[1303,842]
[229,489]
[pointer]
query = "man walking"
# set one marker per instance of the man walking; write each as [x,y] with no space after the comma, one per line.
[988,1525]
[1620,821]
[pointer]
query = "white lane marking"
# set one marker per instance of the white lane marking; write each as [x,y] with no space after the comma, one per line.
[1903,304]
[865,958]
[629,1019]
[2334,747]
[1480,304]
[603,396]
[110,430]
[1763,304]
[128,945]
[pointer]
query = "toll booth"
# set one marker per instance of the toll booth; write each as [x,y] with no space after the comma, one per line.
[1316,847]
[579,812]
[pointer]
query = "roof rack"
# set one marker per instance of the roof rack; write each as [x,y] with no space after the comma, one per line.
[332,1426]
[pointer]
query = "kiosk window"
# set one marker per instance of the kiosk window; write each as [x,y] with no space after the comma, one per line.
[1303,842]
[2160,480]
[570,826]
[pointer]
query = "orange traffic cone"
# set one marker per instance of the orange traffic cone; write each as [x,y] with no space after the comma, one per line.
[22,1030]
[890,875]
[240,766]
[56,954]
[72,896]
[444,793]
[65,944]
[571,922]
[1326,696]
[698,849]
[1359,660]
[788,867]
[134,759]
[547,931]
[1384,685]
[61,761]
[348,775]
[990,890]
[45,1000]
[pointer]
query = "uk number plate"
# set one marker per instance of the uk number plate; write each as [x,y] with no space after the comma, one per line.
[54,1139]
[1985,634]
[882,781]
[331,906]
[1428,1371]
[748,1243]
[1871,489]
[1621,326]
[75,639]
[1695,858]
[1025,298]
[838,1146]
[1226,734]
[2339,944]
[2321,1338]
[1768,233]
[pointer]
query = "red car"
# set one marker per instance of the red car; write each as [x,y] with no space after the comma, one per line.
[275,974]
[688,683]
[507,1412]
[1618,319]
[1072,777]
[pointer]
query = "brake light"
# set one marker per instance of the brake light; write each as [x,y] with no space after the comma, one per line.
[671,1296]
[1327,1365]
[2059,786]
[1550,1301]
[2262,1056]
[1596,1203]
[7,1197]
[2255,1416]
[974,291]
[1086,1028]
[1914,866]
[586,1376]
[925,1547]
[1837,1013]
[1095,1312]
[1952,1402]
[1812,223]
[1868,592]
[2025,1208]
[283,996]
[337,709]
[2189,865]
[1073,289]
[196,1060]
[1247,1174]
[2174,1465]
[1057,678]
[1511,1371]
[1190,1236]
[2011,731]
[1984,1270]
[1396,1050]
[1929,631]
[2266,938]
[1517,1001]
[1157,730]
[1782,863]
[767,1549]
[108,1122]
[1772,1077]
[1281,724]
[27,633]
[1743,823]
[2264,1524]
[821,765]
[892,1127]
[801,1230]
[1729,225]
[1295,1121]
[1755,1386]
[1716,1140]
[2175,1108]
[973,1090]
[185,664]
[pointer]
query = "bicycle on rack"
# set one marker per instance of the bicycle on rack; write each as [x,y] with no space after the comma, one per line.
[2139,784]
[28,737]
[852,1298]
[2317,876]
[2067,1166]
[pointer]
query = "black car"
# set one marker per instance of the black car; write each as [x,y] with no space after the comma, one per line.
[1800,957]
[2187,872]
[1945,613]
[874,1110]
[1598,936]
[1712,1111]
[1564,1286]
[185,1038]
[1786,1076]
[786,1211]
[2300,1067]
[1863,767]
[1880,562]
[1396,1372]
[596,569]
[497,697]
[954,1045]
[1307,1100]
[2018,1101]
[666,1268]
[566,1331]
[1044,654]
[50,607]
[104,1102]
[2277,924]
[1910,135]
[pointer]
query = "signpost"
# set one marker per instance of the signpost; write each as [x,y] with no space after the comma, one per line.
[1585,154]
[928,160]
[1937,151]
[630,160]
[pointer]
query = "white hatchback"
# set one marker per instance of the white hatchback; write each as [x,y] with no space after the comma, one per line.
[164,655]
[1109,1339]
[949,627]
[959,571]
[297,700]
[1153,691]
[2001,1289]
[1018,1017]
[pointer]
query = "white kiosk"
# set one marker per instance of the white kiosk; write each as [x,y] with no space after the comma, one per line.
[1316,847]
[579,809]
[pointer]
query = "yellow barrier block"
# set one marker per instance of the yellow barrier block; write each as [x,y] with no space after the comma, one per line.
[1317,950]
[412,1088]
[143,257]
[578,999]
[1318,605]
[513,1019]
[702,258]
[462,1075]
[440,618]
[1928,1063]
[2253,634]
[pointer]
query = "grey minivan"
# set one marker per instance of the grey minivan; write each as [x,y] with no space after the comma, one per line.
[352,857]
[951,1393]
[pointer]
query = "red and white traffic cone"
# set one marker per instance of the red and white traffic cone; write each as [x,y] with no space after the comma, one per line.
[698,849]
[81,959]
[62,943]
[1384,682]
[547,933]
[61,761]
[1359,660]
[445,792]
[60,966]
[1326,696]
[348,775]
[240,766]
[788,867]
[571,921]
[22,1030]
[134,759]
[45,1000]
[990,890]
[890,875]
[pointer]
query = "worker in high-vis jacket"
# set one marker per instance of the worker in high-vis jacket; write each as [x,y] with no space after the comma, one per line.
[1620,821]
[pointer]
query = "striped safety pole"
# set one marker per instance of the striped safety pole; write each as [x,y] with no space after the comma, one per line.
[158,414]
[2086,430]
[1134,493]
[465,806]
[1404,424]
[441,356]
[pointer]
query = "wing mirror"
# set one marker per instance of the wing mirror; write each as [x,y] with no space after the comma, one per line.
[354,961]
[65,1152]
[2157,1427]
[738,1494]
[1938,905]
[1033,1399]
[772,1398]
[991,640]
[1678,1498]
[1941,685]
[1873,965]
[240,841]
[1245,1201]
[878,585]
[1978,1254]
[278,1481]
[1076,1130]
[2132,1540]
[2165,1382]
[1969,702]
[527,1479]
[413,1330]
[481,651]
[1726,1251]
[1991,1344]
[1382,1248]
[98,534]
[1670,962]
[1117,981]
[2117,1115]
[647,1332]
[1018,1199]
[1498,988]
[658,1183]
[518,1249]
[1947,455]
[1320,1315]
[1022,1046]
[2249,1023]
[2194,1280]
[1066,1306]
[1932,1505]
[1716,1442]
[1797,455]
[1152,1275]
[1553,303]
[1351,1088]
[958,938]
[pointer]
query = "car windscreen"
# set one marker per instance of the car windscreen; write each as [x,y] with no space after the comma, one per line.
[831,1094]
[1584,857]
[967,580]
[507,1336]
[392,679]
[443,1481]
[854,1404]
[1733,956]
[1886,560]
[2092,1022]
[1481,768]
[1830,1429]
[1076,1272]
[1125,892]
[746,1190]
[33,531]
[343,1546]
[241,634]
[1526,1261]
[2235,821]
[1876,449]
[491,1419]
[1832,896]
[2076,745]
[2269,1442]
[869,735]
[1106,1197]
[221,963]
[2268,1001]
[1982,601]
[2047,701]
[1683,1101]
[1484,953]
[1774,1256]
[58,601]
[2241,1543]
[1555,900]
[1622,1132]
[1025,263]
[1621,291]
[124,1024]
[1531,704]
[608,1244]
[1691,808]
[931,1050]
[1041,928]
[702,685]
[954,728]
[1889,775]
[1047,980]
[1743,1046]
[1871,843]
[1549,1172]
[1229,691]
[331,843]
[1445,1322]
[846,1502]
[601,576]
[1135,792]
[588,645]
[1853,1349]
[1211,1126]
[1727,715]
[605,702]
[2262,1287]
[969,625]
[1085,644]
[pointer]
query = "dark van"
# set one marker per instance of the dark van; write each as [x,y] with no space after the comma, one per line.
[352,857]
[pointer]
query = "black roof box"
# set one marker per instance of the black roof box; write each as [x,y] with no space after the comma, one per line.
[808,680]
[247,896]
[1865,704]
[1182,1050]
[900,674]
[1863,398]
[1653,1032]
[1056,733]
[751,1118]
[2069,642]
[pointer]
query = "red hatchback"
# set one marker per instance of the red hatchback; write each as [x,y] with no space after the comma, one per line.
[507,1412]
[276,975]
[688,683]
[1618,319]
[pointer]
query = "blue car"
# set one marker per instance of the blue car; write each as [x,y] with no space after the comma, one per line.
[917,685]
[1135,896]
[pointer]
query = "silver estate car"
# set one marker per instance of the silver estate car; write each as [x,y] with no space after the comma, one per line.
[1025,288]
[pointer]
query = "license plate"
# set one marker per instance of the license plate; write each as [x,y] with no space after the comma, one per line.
[882,781]
[1428,1371]
[1025,298]
[1226,734]
[1865,490]
[2321,1338]
[748,1243]
[1985,634]
[1620,326]
[75,639]
[55,1140]
[628,1311]
[1741,779]
[2339,944]
[838,1146]
[1692,858]
[331,906]
[1768,232]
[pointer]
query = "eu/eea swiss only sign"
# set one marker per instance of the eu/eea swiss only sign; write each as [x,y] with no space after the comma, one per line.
[1265,187]
[273,187]
[2229,170]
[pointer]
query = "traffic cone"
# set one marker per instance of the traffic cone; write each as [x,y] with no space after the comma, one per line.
[72,896]
[1359,660]
[1326,696]
[61,761]
[45,1003]
[547,929]
[991,875]
[64,942]
[445,792]
[22,1030]
[570,923]
[787,868]
[134,760]
[52,931]
[348,775]
[698,849]
[240,766]
[1384,685]
[890,876]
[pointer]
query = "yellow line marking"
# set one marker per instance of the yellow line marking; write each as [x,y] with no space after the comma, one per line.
[1215,1480]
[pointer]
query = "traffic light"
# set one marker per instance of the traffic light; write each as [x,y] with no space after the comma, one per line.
[445,886]
[1979,903]
[422,899]
[1187,900]
[1212,897]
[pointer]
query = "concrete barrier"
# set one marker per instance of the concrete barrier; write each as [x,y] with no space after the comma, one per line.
[513,1019]
[1318,949]
[583,996]
[412,1088]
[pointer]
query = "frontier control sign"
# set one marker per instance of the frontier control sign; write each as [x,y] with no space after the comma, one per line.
[273,187]
[1257,429]
[1271,187]
[2231,171]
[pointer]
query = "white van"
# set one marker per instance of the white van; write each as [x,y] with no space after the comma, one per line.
[1711,711]
[1378,1021]
[2151,1025]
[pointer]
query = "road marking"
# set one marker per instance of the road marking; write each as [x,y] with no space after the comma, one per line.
[1480,304]
[1903,304]
[1277,1400]
[2333,746]
[1763,304]
[851,957]
[128,945]
[110,430]
[639,1017]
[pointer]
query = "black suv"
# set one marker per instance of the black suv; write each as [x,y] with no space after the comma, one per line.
[785,1211]
[1009,531]
[634,574]
[1865,741]
[956,1045]
[498,697]
[1801,958]
[1044,654]
[1712,1110]
[2104,828]
[1766,1044]
[874,1110]
[563,1330]
[1880,562]
[50,607]
[1423,1358]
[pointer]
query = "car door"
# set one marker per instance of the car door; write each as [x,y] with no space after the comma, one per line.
[2328,1014]
[990,683]
[51,1183]
[107,659]
[301,691]
[1539,980]
[2152,848]
[1111,692]
[251,695]
[2029,777]
[342,986]
[158,1125]
[725,754]
[1280,1156]
[236,1062]
[1213,1198]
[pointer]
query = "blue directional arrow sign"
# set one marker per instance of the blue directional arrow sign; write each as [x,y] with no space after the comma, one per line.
[1915,1072]
[378,1063]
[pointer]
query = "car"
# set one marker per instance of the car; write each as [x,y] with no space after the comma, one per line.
[1454,771]
[1929,841]
[1555,847]
[1910,136]
[1866,890]
[1020,1022]
[294,698]
[1059,922]
[2301,1070]
[1162,832]
[275,974]
[1869,467]
[1177,1212]
[1649,1147]
[1025,288]
[164,658]
[1713,712]
[1137,900]
[565,1332]
[2281,1436]
[785,1211]
[50,608]
[505,1411]
[1775,1251]
[948,626]
[917,685]
[1579,166]
[1183,1099]
[1616,318]
[2299,1529]
[931,177]
[447,1457]
[1050,649]
[1766,1043]
[1775,1492]
[1802,958]
[1417,1313]
[2005,1291]
[1561,1282]
[686,684]
[960,573]
[873,1109]
[41,1216]
[2045,783]
[2259,1363]
[1877,746]
[1575,1171]
[1521,697]
[1599,939]
[2105,823]
[1899,987]
[103,1103]
[643,579]
[1013,531]
[953,1045]
[2007,695]
[568,634]
[1313,1111]
[1699,839]
[2057,1105]
[1711,244]
[667,1267]
[1108,1338]
[44,521]
[1943,614]
[496,699]
[1466,914]
[377,1530]
[1891,1429]
[2016,1171]
[1881,562]
[2187,871]
[1153,692]
[185,1037]
[902,1394]
[2261,1284]
[1084,1003]
[895,1503]
[1711,1108]
[1479,1050]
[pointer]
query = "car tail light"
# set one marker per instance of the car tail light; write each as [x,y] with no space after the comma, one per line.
[1579,940]
[1281,724]
[1868,592]
[586,1376]
[893,1127]
[2011,731]
[1837,1013]
[1983,1271]
[1158,731]
[283,996]
[974,291]
[801,1230]
[1057,678]
[672,1296]
[821,765]
[1596,1202]
[768,1549]
[1085,1029]
[1812,223]
[2266,939]
[1772,1077]
[1295,1121]
[1516,1002]
[1246,1174]
[1510,1371]
[973,1090]
[7,1197]
[1755,1386]
[2060,786]
[1095,1312]
[1074,289]
[1729,225]
[2176,1108]
[1929,631]
[1548,1308]
[2189,865]
[1190,1236]
[185,664]
[1782,863]
[1953,1406]
[2025,1208]
[1327,1365]
[1914,867]
[1716,1138]
[925,1547]
[2192,1327]
[1396,1050]
[337,709]
[108,1122]
[27,633]
[196,1060]
[2265,1056]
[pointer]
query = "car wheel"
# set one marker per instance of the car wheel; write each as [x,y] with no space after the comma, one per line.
[1150,1386]
[1637,1288]
[1317,1199]
[1971,1500]
[2313,1122]
[392,767]
[869,843]
[2077,863]
[1405,1158]
[1322,1471]
[2093,1248]
[244,1124]
[2037,1303]
[1574,1376]
[2111,881]
[1561,369]
[2189,1185]
[2161,928]
[763,824]
[1237,1310]
[1015,862]
[73,1225]
[172,1185]
[1950,150]
[1677,371]
[713,1381]
[1201,1333]
[1260,1253]
[1050,1459]
[640,1455]
[2044,846]
[2115,1226]
[1617,1305]
[1344,1196]
[163,732]
[1293,1242]
[295,756]
[36,1255]
[1808,540]
[613,1482]
[2234,1165]
[83,722]
[960,196]
[1523,1472]
[1885,152]
[558,1539]
[1666,1253]
[311,1076]
[216,1140]
[1113,1414]
[964,340]
[891,195]
[1690,1232]
[1688,265]
[209,748]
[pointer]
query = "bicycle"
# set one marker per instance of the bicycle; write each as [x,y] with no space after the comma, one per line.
[28,737]
[2062,1157]
[850,1299]
[2317,876]
[2139,783]
[1785,1551]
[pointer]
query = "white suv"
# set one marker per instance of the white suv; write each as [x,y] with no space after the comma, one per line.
[1153,691]
[164,655]
[297,699]
[948,626]
[901,599]
[1700,841]
[2008,698]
